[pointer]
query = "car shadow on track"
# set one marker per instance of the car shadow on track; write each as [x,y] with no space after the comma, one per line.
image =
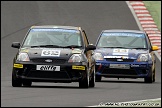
[65,87]
[135,82]
[122,81]
[54,86]
[108,81]
[36,86]
[126,80]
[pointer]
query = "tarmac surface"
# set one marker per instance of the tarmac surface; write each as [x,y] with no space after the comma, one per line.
[16,19]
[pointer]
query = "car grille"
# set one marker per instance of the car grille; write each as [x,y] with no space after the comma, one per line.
[119,71]
[48,74]
[115,60]
[42,60]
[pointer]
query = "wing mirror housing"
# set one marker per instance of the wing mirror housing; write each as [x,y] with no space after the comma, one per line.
[90,47]
[154,48]
[15,45]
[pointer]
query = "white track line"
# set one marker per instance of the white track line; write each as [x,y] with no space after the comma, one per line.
[139,101]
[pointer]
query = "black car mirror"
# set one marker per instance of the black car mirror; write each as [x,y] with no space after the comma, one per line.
[15,45]
[90,47]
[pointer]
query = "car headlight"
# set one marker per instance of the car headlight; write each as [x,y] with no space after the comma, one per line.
[75,58]
[143,57]
[23,57]
[98,56]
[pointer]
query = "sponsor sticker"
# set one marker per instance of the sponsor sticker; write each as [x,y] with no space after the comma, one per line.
[134,65]
[123,57]
[48,68]
[124,34]
[119,59]
[56,30]
[24,50]
[76,51]
[78,67]
[18,65]
[98,63]
[55,53]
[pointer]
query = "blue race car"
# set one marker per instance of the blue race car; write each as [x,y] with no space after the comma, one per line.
[125,54]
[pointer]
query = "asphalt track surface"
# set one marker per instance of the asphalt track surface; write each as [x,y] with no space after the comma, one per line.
[17,17]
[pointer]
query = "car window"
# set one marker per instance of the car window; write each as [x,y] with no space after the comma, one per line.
[127,40]
[60,37]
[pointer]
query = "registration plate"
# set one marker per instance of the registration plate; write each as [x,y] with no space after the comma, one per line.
[120,66]
[48,68]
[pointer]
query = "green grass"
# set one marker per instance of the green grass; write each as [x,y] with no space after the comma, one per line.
[154,7]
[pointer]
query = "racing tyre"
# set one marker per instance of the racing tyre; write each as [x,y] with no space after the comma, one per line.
[84,83]
[27,83]
[15,81]
[92,81]
[98,78]
[150,78]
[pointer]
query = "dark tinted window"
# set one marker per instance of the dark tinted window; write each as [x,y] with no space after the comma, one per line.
[60,37]
[128,40]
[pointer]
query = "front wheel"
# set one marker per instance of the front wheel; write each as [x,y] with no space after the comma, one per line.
[84,83]
[150,78]
[92,81]
[154,75]
[16,82]
[98,78]
[27,83]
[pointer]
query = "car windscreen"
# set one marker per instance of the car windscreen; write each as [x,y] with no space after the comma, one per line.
[122,40]
[53,37]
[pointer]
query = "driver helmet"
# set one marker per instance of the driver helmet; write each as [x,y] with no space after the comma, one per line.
[42,39]
[111,40]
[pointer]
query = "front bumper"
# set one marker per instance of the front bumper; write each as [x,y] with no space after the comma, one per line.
[71,72]
[133,70]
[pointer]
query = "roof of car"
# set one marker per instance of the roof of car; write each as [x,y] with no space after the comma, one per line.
[123,30]
[57,26]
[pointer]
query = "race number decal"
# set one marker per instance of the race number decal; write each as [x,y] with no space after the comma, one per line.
[120,51]
[48,68]
[55,53]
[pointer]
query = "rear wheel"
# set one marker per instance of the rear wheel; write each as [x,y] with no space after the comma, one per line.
[16,82]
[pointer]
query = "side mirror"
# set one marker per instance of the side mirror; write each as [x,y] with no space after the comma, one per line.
[15,45]
[154,48]
[90,47]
